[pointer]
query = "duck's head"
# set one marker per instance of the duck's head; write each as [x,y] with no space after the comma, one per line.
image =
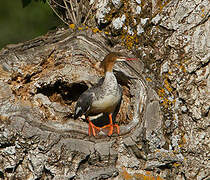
[109,60]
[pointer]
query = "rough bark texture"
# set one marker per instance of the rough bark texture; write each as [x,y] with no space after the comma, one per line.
[164,117]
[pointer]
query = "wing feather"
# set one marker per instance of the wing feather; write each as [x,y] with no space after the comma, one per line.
[83,104]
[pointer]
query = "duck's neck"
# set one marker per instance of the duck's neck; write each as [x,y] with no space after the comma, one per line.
[110,79]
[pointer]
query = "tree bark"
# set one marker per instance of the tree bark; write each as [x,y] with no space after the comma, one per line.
[163,117]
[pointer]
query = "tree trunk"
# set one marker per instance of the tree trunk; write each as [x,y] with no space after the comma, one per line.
[163,117]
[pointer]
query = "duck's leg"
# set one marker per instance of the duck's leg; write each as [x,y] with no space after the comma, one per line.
[111,126]
[92,128]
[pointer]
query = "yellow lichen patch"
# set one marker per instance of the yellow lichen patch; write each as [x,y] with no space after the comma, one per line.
[80,28]
[157,150]
[174,101]
[146,177]
[169,72]
[161,92]
[149,79]
[202,10]
[72,26]
[176,164]
[180,145]
[164,100]
[167,85]
[85,27]
[183,69]
[129,40]
[126,175]
[95,30]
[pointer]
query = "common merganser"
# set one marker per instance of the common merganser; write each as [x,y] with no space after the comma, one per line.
[102,98]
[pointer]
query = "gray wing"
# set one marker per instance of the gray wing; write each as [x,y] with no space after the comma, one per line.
[83,104]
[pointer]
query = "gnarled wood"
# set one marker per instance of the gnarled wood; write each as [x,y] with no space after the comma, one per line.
[43,79]
[163,134]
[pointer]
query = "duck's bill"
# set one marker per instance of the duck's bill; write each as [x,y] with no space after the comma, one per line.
[131,59]
[121,59]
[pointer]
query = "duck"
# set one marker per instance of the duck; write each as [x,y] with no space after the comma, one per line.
[104,97]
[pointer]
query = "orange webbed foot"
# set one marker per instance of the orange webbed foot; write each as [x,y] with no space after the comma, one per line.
[92,128]
[111,128]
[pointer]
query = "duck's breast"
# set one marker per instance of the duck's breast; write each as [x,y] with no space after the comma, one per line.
[107,104]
